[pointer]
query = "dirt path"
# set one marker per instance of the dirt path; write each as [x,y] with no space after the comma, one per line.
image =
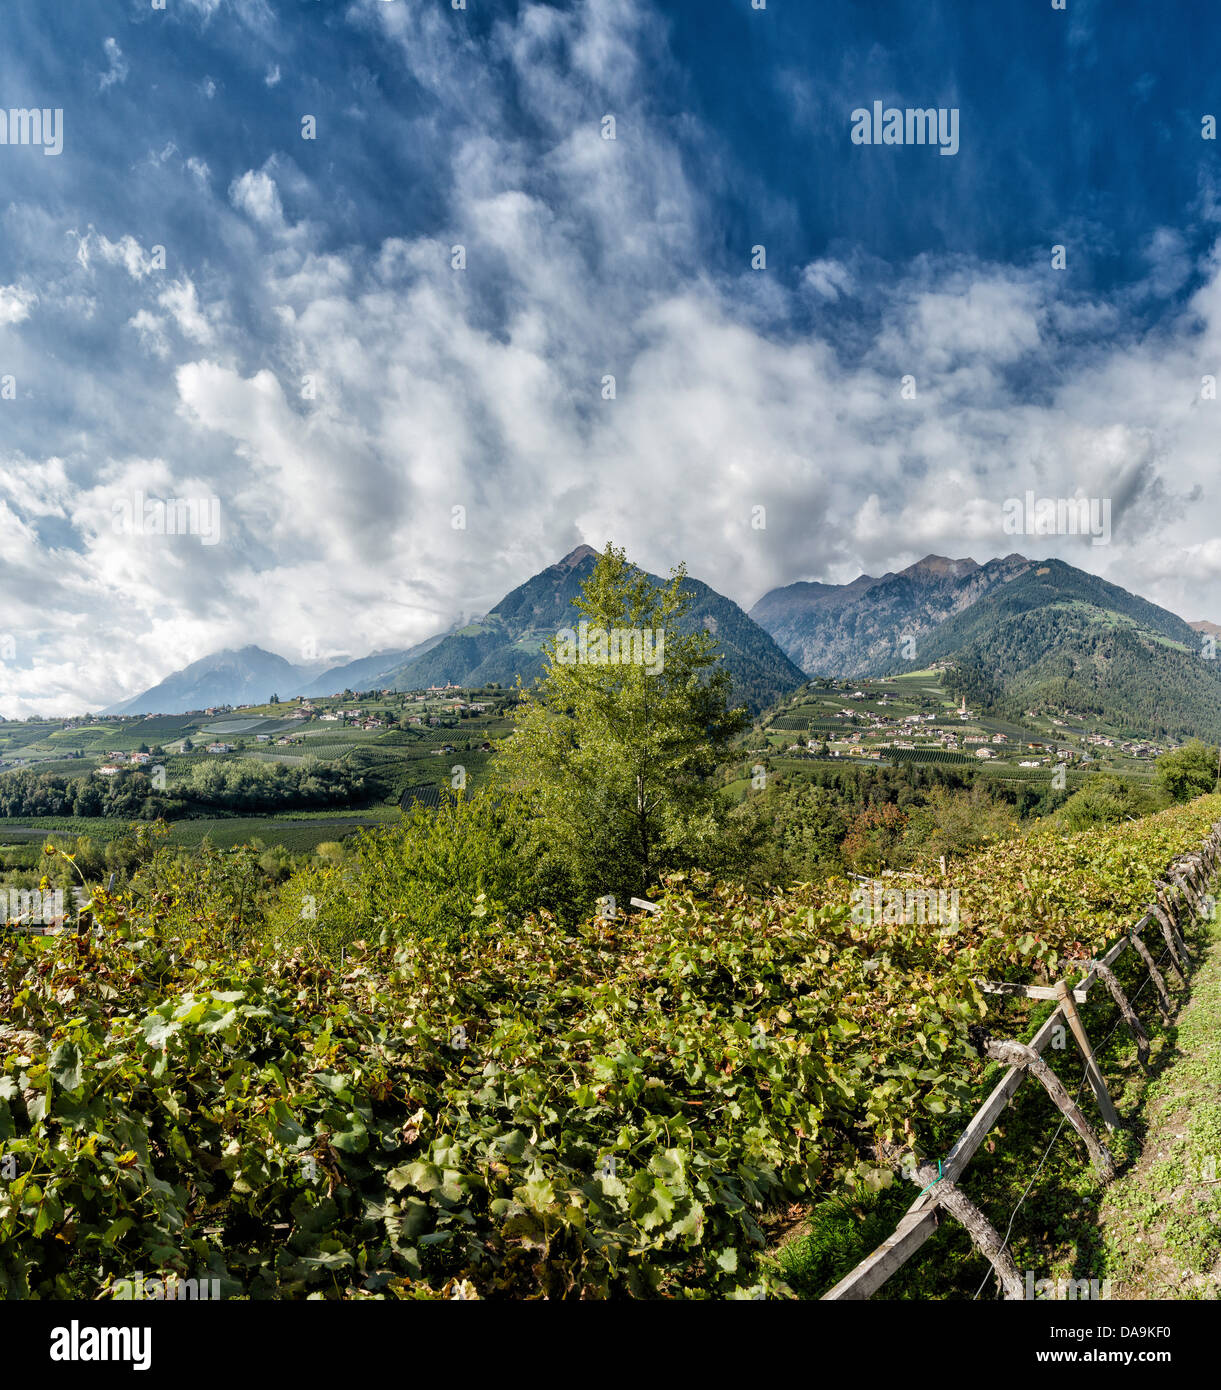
[1160,1221]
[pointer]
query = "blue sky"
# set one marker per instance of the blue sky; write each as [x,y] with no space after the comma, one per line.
[432,388]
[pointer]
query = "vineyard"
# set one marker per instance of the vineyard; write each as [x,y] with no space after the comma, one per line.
[621,1109]
[929,755]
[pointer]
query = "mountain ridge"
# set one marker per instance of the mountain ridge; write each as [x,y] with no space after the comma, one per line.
[498,647]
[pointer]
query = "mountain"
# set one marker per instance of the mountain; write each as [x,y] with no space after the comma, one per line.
[508,641]
[1204,626]
[504,644]
[1012,634]
[246,677]
[1060,639]
[368,673]
[848,629]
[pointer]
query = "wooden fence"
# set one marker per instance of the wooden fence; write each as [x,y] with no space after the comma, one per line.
[1182,891]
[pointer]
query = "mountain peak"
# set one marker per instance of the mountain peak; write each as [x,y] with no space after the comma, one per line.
[942,565]
[574,557]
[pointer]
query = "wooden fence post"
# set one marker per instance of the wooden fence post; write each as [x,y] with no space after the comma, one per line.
[983,1234]
[1169,934]
[1016,1054]
[1135,1027]
[1159,985]
[1092,1070]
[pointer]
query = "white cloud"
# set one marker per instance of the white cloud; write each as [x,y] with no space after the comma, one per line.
[15,304]
[255,193]
[116,65]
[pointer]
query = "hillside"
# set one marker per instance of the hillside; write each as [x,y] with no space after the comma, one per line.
[366,673]
[508,641]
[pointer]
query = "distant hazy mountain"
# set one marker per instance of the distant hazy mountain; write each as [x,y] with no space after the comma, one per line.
[246,677]
[367,673]
[508,641]
[848,629]
[1211,629]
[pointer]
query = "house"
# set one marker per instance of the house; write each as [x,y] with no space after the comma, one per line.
[262,738]
[984,753]
[331,717]
[140,757]
[220,748]
[999,738]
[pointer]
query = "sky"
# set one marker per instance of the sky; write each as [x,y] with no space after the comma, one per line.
[402,365]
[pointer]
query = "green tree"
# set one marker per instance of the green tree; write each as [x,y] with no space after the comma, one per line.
[1104,800]
[618,744]
[1188,771]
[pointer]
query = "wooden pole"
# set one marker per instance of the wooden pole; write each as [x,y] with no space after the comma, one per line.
[1159,985]
[1091,1066]
[1168,933]
[1016,1054]
[1135,1027]
[1192,897]
[945,1194]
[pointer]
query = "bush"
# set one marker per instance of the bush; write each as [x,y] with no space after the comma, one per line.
[530,1112]
[439,874]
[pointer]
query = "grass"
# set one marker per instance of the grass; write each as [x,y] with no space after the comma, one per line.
[1160,1223]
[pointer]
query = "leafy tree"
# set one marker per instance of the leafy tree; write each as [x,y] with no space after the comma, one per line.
[875,838]
[1188,771]
[1103,801]
[619,758]
[951,823]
